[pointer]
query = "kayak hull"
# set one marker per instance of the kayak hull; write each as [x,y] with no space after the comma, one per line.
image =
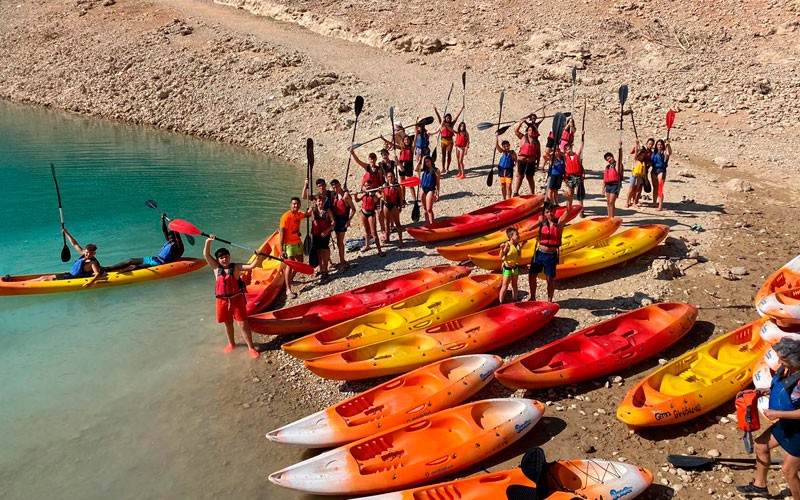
[783,306]
[788,276]
[265,283]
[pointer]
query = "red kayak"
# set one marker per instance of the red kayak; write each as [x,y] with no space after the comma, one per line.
[494,216]
[323,313]
[601,349]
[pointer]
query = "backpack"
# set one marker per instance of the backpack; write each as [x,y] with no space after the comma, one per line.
[747,416]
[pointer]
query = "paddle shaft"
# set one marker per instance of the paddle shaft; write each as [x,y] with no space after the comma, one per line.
[490,178]
[152,204]
[425,121]
[65,248]
[310,177]
[357,108]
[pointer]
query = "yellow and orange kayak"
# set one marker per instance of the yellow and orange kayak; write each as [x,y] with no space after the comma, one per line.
[575,236]
[22,285]
[431,308]
[410,397]
[423,450]
[696,382]
[479,332]
[497,215]
[265,283]
[788,276]
[528,228]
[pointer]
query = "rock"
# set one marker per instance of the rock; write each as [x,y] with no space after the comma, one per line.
[664,269]
[714,453]
[739,185]
[163,94]
[109,3]
[723,162]
[686,173]
[691,451]
[739,271]
[662,361]
[587,448]
[699,87]
[727,479]
[615,379]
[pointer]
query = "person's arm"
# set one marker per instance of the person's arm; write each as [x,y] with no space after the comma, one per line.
[565,216]
[504,250]
[438,184]
[305,194]
[363,164]
[497,143]
[281,239]
[455,120]
[517,130]
[252,265]
[349,201]
[513,157]
[331,222]
[782,414]
[212,262]
[438,118]
[667,151]
[72,240]
[98,271]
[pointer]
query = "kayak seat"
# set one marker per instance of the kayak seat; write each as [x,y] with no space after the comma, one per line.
[564,360]
[673,385]
[709,369]
[735,354]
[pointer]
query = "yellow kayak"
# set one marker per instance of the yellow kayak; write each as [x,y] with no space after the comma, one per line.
[431,308]
[696,382]
[575,236]
[22,285]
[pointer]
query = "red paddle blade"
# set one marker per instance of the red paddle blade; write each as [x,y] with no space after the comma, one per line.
[670,118]
[182,226]
[410,182]
[300,267]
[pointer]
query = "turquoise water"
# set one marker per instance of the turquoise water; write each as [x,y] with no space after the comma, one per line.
[124,392]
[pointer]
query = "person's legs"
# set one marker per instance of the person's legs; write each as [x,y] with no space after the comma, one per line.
[365,223]
[460,160]
[763,444]
[520,174]
[248,338]
[531,183]
[515,286]
[387,216]
[551,289]
[427,204]
[324,260]
[229,332]
[340,245]
[661,178]
[124,264]
[791,465]
[373,225]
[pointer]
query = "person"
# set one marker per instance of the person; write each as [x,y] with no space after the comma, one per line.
[784,411]
[611,182]
[510,252]
[558,168]
[448,133]
[386,165]
[322,188]
[392,202]
[505,167]
[422,141]
[84,266]
[398,136]
[369,199]
[430,183]
[371,169]
[321,229]
[573,169]
[170,252]
[545,258]
[343,210]
[229,288]
[568,135]
[660,161]
[406,159]
[290,241]
[462,148]
[529,152]
[637,179]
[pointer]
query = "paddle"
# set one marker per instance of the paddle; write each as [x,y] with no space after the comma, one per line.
[623,96]
[425,121]
[65,255]
[186,227]
[694,462]
[670,121]
[152,204]
[647,186]
[310,176]
[574,80]
[464,96]
[411,182]
[415,214]
[359,105]
[581,188]
[488,125]
[490,177]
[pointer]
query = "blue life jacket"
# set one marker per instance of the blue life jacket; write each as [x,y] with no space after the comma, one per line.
[785,431]
[558,168]
[77,268]
[506,161]
[657,159]
[422,140]
[428,180]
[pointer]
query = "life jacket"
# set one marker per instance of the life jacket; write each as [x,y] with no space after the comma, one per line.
[170,252]
[574,166]
[558,167]
[747,416]
[319,224]
[506,161]
[368,202]
[512,257]
[374,176]
[77,268]
[422,140]
[227,284]
[567,137]
[657,160]
[447,132]
[428,180]
[390,195]
[610,175]
[461,140]
[550,234]
[530,149]
[785,431]
[339,206]
[638,169]
[387,166]
[406,155]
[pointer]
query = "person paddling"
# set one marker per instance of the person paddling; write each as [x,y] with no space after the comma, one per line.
[290,241]
[229,288]
[84,266]
[545,258]
[171,251]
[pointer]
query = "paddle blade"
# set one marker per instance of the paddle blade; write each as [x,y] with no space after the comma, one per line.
[426,121]
[490,177]
[313,256]
[391,117]
[464,79]
[307,245]
[670,118]
[310,152]
[415,212]
[502,130]
[353,147]
[65,256]
[485,125]
[151,204]
[433,156]
[184,227]
[559,123]
[359,106]
[502,97]
[574,75]
[623,94]
[190,239]
[300,267]
[410,182]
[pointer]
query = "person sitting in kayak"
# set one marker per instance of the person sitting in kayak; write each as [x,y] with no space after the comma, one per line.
[509,253]
[84,266]
[545,258]
[170,252]
[231,303]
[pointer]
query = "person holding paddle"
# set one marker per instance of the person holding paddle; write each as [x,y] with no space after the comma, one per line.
[660,161]
[321,229]
[369,199]
[229,288]
[422,143]
[84,266]
[406,159]
[462,147]
[170,252]
[290,241]
[545,257]
[611,182]
[505,167]
[392,201]
[529,154]
[343,210]
[448,133]
[322,188]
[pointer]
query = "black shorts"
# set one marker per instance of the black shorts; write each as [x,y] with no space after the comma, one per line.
[68,276]
[321,242]
[340,223]
[612,188]
[407,168]
[550,143]
[389,206]
[543,261]
[368,213]
[555,182]
[527,168]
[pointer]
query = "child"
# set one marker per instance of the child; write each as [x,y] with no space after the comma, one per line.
[343,210]
[462,147]
[321,229]
[637,179]
[406,159]
[369,209]
[231,304]
[430,182]
[611,182]
[558,168]
[510,252]
[505,167]
[393,201]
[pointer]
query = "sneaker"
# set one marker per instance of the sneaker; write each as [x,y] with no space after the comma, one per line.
[753,489]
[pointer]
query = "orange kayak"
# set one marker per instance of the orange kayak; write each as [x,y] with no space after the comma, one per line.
[431,308]
[265,283]
[601,349]
[575,236]
[784,278]
[326,312]
[412,396]
[423,450]
[564,480]
[479,332]
[488,218]
[528,228]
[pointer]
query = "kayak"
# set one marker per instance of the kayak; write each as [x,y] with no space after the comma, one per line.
[605,253]
[264,283]
[431,308]
[773,333]
[564,480]
[421,451]
[488,218]
[784,278]
[479,332]
[528,228]
[696,382]
[575,236]
[601,349]
[328,311]
[21,285]
[783,306]
[402,400]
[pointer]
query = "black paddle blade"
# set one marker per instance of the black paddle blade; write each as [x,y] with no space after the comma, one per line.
[313,256]
[464,79]
[485,125]
[623,94]
[490,177]
[190,239]
[559,123]
[65,256]
[391,116]
[151,204]
[534,464]
[574,75]
[310,152]
[502,130]
[433,156]
[359,104]
[521,492]
[415,212]
[307,246]
[426,121]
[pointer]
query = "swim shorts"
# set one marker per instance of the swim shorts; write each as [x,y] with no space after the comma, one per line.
[293,249]
[555,182]
[612,188]
[511,271]
[543,261]
[527,168]
[234,308]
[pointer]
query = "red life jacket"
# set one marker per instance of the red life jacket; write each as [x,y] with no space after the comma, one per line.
[390,195]
[319,224]
[406,155]
[574,166]
[373,176]
[550,234]
[227,285]
[530,149]
[339,206]
[461,140]
[610,175]
[447,132]
[368,202]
